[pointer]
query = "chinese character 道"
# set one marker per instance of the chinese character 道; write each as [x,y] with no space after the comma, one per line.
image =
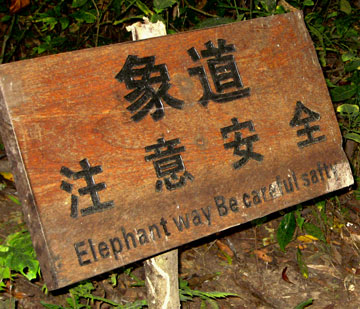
[224,73]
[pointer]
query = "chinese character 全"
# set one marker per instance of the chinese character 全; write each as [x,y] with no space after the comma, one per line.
[297,121]
[92,189]
[239,141]
[142,75]
[224,73]
[168,162]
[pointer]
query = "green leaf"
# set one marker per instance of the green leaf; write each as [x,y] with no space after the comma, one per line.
[304,304]
[21,255]
[302,266]
[163,4]
[5,19]
[299,219]
[3,249]
[329,83]
[89,18]
[347,56]
[308,3]
[48,21]
[313,230]
[286,230]
[78,3]
[212,303]
[64,21]
[320,205]
[211,22]
[4,273]
[84,16]
[187,294]
[352,66]
[117,22]
[343,93]
[113,279]
[2,286]
[345,7]
[353,136]
[14,199]
[348,110]
[50,306]
[142,6]
[136,305]
[268,5]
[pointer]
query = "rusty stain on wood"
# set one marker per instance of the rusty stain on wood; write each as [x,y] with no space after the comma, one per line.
[282,136]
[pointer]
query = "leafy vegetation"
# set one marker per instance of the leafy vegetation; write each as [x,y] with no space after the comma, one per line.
[50,26]
[17,255]
[84,291]
[187,294]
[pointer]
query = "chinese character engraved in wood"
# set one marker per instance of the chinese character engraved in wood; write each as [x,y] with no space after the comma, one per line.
[150,83]
[297,121]
[224,73]
[87,173]
[239,141]
[168,162]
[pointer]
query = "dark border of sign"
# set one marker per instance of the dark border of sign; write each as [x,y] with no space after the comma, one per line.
[25,193]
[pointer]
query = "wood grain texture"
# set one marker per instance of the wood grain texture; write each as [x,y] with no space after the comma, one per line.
[60,109]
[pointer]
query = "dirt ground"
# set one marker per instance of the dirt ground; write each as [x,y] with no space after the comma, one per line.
[245,260]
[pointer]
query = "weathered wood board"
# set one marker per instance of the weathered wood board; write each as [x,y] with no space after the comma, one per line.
[125,151]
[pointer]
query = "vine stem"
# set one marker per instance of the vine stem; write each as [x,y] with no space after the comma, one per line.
[200,11]
[6,38]
[97,23]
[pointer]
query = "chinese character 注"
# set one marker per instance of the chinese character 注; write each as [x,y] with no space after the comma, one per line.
[298,121]
[224,73]
[150,83]
[92,189]
[168,162]
[239,141]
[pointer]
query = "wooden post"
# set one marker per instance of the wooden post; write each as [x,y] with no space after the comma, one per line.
[161,271]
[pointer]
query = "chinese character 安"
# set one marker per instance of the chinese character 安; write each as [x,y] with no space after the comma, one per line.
[247,152]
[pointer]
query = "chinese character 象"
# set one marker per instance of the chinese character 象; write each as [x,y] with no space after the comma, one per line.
[91,188]
[224,73]
[239,141]
[150,83]
[168,162]
[298,121]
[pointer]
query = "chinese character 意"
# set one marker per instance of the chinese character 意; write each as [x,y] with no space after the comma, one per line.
[224,73]
[307,130]
[91,188]
[150,83]
[168,162]
[239,141]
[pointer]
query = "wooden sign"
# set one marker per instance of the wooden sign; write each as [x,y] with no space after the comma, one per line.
[125,151]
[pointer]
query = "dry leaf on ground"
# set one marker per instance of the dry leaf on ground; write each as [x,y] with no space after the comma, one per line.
[261,254]
[17,5]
